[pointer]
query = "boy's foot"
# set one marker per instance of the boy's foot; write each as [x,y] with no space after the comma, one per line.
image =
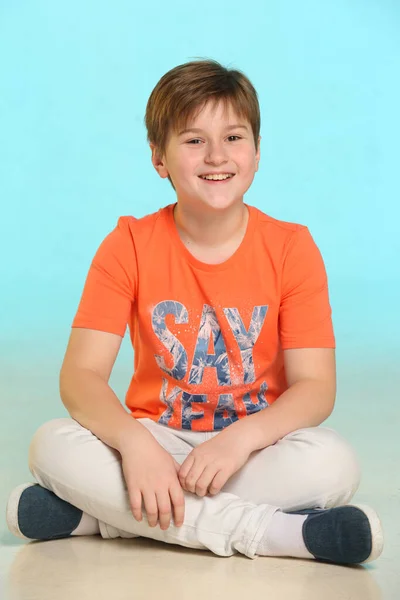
[343,535]
[35,513]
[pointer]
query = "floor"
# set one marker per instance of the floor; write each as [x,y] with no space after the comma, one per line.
[90,567]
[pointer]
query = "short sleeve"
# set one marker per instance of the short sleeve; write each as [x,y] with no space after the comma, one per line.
[305,315]
[110,287]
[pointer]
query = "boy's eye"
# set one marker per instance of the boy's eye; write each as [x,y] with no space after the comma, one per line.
[198,140]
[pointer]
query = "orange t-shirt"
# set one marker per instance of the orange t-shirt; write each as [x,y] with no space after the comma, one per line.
[208,339]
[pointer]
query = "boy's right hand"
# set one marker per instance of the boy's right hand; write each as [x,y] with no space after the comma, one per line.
[151,474]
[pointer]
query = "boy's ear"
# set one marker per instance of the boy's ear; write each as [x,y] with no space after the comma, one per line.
[158,162]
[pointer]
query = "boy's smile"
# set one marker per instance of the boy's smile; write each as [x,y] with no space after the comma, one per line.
[214,179]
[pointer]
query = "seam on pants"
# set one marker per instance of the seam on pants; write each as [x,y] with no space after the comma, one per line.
[252,543]
[103,525]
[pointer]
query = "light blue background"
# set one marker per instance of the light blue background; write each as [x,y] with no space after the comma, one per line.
[74,82]
[75,79]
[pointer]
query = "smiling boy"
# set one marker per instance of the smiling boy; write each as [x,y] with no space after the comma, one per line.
[210,214]
[230,321]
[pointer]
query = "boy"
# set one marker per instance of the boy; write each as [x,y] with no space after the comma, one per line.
[234,371]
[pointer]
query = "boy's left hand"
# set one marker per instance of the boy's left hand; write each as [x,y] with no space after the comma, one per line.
[209,466]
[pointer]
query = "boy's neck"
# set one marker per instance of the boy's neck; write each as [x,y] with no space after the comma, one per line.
[211,231]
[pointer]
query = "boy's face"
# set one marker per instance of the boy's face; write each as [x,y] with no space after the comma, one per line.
[217,147]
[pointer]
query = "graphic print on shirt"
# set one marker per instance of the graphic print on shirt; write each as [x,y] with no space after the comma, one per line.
[219,407]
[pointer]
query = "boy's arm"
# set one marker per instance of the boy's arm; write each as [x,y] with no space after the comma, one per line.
[308,401]
[84,388]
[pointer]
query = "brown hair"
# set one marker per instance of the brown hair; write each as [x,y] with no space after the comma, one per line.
[183,91]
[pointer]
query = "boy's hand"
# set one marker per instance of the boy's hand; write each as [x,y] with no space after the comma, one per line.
[209,466]
[151,476]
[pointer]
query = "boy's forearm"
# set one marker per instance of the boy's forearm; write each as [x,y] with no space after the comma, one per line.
[90,401]
[306,403]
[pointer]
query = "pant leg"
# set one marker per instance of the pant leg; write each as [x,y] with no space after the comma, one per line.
[309,468]
[72,462]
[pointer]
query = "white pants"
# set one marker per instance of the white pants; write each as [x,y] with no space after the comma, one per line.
[309,468]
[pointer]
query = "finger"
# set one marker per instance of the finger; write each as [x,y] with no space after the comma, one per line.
[205,480]
[136,504]
[178,503]
[185,467]
[150,504]
[164,509]
[220,479]
[193,475]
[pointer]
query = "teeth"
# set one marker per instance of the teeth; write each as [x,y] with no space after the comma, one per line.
[217,177]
